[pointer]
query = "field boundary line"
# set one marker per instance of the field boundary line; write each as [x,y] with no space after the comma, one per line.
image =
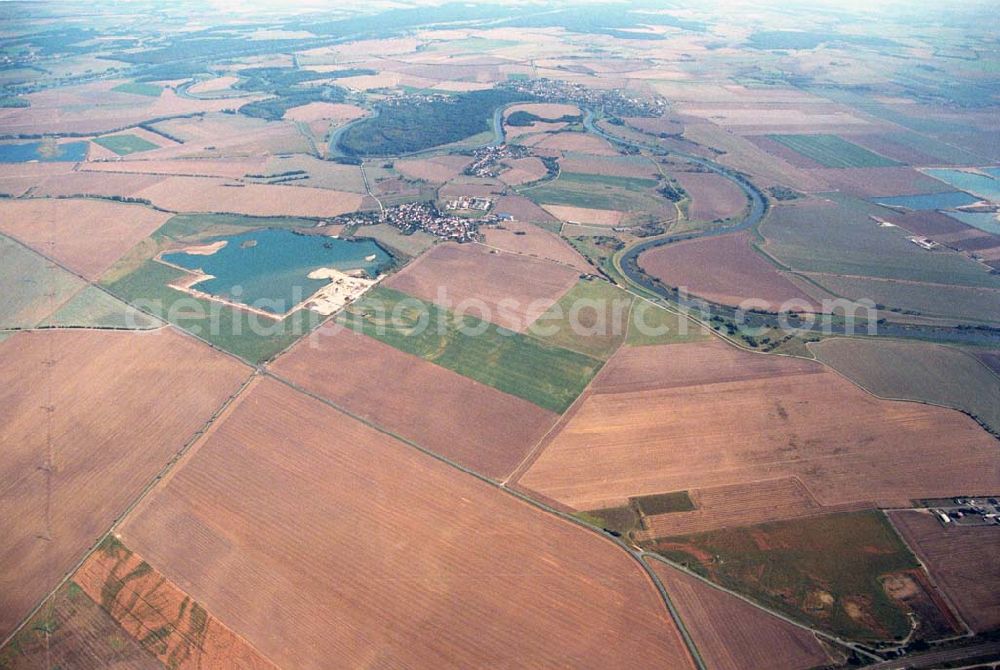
[989,429]
[784,617]
[120,518]
[519,495]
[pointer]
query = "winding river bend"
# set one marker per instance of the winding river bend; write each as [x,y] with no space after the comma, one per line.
[757,210]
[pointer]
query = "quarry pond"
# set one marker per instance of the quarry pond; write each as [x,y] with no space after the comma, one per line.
[274,270]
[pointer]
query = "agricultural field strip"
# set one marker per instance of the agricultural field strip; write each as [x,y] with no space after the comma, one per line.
[827,150]
[637,555]
[167,468]
[87,283]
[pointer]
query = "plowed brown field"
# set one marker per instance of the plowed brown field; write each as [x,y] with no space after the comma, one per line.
[439,169]
[525,238]
[90,418]
[731,634]
[154,612]
[724,270]
[454,274]
[681,417]
[962,561]
[712,196]
[471,423]
[408,562]
[85,235]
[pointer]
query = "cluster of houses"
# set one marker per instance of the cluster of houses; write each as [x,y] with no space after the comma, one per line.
[613,102]
[425,216]
[486,161]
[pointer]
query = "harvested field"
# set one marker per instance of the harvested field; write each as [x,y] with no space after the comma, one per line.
[725,270]
[523,171]
[743,155]
[112,430]
[513,289]
[712,195]
[205,194]
[193,194]
[657,125]
[611,166]
[741,505]
[157,614]
[95,108]
[106,185]
[72,631]
[581,142]
[427,549]
[917,371]
[531,240]
[438,169]
[473,424]
[523,209]
[693,416]
[86,236]
[584,215]
[17,178]
[191,167]
[731,634]
[337,113]
[33,287]
[213,85]
[881,181]
[962,562]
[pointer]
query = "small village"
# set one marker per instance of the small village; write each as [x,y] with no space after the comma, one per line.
[425,216]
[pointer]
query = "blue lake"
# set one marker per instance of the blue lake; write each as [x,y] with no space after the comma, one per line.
[929,200]
[985,185]
[70,152]
[986,221]
[268,269]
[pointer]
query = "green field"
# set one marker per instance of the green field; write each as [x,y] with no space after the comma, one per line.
[650,325]
[253,338]
[94,308]
[959,302]
[607,317]
[663,503]
[33,287]
[591,318]
[832,151]
[916,371]
[817,570]
[137,88]
[124,145]
[842,239]
[549,376]
[598,192]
